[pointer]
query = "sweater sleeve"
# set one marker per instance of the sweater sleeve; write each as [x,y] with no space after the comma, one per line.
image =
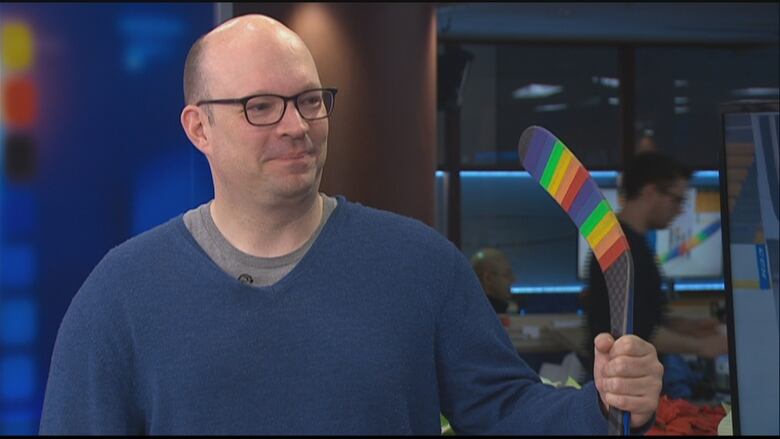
[485,387]
[90,390]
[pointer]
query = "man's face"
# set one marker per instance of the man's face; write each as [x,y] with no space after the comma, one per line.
[270,163]
[668,203]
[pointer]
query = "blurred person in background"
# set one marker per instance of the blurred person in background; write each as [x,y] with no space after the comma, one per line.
[653,187]
[495,274]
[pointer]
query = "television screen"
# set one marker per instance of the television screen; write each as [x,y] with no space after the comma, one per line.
[749,196]
[690,248]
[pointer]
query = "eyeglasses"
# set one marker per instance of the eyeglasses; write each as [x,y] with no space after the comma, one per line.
[678,199]
[268,109]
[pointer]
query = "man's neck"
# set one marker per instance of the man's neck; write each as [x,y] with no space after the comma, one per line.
[268,229]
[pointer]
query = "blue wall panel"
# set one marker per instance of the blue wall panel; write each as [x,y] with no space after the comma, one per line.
[109,160]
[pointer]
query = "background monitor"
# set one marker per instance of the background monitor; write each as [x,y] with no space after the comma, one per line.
[749,200]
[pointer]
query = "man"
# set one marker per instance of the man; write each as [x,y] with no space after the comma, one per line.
[653,186]
[495,274]
[275,309]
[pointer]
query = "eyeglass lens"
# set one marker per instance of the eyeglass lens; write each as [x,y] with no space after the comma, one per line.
[312,105]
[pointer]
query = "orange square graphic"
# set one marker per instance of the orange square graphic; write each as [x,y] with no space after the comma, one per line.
[20,102]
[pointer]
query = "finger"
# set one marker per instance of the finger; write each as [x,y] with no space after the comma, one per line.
[603,342]
[631,345]
[632,404]
[632,386]
[633,367]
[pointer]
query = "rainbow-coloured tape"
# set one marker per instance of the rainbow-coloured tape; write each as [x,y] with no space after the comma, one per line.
[566,179]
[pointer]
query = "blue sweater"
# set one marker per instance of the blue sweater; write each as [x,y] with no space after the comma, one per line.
[380,327]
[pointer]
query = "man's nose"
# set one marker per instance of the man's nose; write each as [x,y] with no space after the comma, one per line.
[292,123]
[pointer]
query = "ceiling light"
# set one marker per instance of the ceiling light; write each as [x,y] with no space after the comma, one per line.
[606,81]
[756,91]
[533,91]
[551,107]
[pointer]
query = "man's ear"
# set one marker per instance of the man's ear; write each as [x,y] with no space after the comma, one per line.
[195,123]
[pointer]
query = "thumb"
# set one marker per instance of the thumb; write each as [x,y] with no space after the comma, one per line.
[603,342]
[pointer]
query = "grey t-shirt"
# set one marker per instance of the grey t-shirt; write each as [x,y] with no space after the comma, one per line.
[248,269]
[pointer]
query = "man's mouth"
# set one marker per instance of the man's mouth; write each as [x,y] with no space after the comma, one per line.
[293,156]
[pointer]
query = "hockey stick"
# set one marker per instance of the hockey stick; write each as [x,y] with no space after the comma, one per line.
[559,172]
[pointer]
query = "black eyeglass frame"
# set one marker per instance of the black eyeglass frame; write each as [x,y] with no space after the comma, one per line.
[243,101]
[679,199]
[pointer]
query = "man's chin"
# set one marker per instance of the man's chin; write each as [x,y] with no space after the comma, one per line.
[294,186]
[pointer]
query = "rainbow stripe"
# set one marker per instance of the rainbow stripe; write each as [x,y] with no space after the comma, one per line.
[692,242]
[569,183]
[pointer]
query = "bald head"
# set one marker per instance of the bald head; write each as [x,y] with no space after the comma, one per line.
[194,82]
[494,271]
[487,259]
[269,39]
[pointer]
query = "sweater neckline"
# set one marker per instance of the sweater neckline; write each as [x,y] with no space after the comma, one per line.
[328,229]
